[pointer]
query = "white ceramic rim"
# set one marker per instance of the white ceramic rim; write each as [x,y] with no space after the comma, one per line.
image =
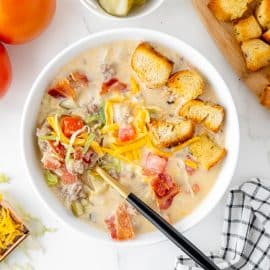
[98,11]
[31,109]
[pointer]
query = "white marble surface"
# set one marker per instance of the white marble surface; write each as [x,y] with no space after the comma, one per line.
[68,250]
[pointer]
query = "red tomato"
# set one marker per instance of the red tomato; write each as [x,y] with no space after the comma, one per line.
[126,133]
[154,164]
[68,178]
[23,20]
[5,70]
[71,124]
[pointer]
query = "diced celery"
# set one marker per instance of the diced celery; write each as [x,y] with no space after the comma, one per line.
[51,179]
[77,208]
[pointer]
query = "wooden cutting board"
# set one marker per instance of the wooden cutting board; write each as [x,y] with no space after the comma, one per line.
[223,36]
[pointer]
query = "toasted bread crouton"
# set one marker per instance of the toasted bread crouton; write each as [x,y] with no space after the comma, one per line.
[207,152]
[263,13]
[247,29]
[228,10]
[256,53]
[187,83]
[168,134]
[150,66]
[266,36]
[265,97]
[210,115]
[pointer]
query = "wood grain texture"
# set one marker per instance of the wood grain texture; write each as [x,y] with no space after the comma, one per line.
[222,33]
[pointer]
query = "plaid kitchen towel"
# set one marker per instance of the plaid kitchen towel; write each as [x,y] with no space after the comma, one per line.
[246,230]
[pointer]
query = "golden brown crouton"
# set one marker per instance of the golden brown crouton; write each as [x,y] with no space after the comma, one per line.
[265,97]
[150,66]
[207,152]
[187,83]
[210,115]
[263,13]
[168,134]
[247,29]
[266,36]
[256,53]
[228,10]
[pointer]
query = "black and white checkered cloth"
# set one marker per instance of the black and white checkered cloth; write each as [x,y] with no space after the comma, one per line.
[246,230]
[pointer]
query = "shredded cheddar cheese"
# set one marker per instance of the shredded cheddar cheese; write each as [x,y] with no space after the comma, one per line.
[191,163]
[135,88]
[10,230]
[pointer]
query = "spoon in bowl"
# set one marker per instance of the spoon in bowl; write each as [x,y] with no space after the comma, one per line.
[160,223]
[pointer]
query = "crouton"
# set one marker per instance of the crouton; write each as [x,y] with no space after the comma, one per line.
[265,96]
[247,29]
[150,66]
[207,152]
[263,13]
[168,134]
[210,115]
[256,53]
[187,83]
[266,36]
[228,10]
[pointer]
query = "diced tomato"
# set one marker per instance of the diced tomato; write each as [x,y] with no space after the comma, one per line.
[78,79]
[62,89]
[126,133]
[154,164]
[120,225]
[51,163]
[71,124]
[58,149]
[67,178]
[196,188]
[112,85]
[165,190]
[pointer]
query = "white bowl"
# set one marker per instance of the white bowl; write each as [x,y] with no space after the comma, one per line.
[28,140]
[149,7]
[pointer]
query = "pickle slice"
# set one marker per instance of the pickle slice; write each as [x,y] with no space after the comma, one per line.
[117,7]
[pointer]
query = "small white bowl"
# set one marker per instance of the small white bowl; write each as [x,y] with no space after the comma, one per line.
[149,7]
[31,109]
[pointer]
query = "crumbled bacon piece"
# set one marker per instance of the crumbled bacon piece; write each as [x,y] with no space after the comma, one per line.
[165,190]
[58,149]
[62,89]
[78,79]
[120,225]
[67,178]
[113,85]
[154,164]
[51,163]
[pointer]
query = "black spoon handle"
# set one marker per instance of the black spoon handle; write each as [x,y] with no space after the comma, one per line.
[175,236]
